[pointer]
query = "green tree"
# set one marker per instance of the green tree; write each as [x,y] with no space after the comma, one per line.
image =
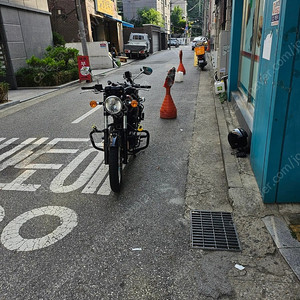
[150,16]
[58,39]
[178,23]
[195,8]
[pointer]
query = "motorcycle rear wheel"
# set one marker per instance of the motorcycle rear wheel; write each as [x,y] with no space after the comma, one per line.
[115,169]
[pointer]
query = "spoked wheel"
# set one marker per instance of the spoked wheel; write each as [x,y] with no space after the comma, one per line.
[115,168]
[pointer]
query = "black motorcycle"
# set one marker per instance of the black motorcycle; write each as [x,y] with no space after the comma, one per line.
[123,134]
[201,57]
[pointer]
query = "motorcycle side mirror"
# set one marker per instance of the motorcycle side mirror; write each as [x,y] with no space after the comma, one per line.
[147,70]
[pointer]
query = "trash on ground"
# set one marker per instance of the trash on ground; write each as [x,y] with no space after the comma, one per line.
[239,267]
[136,249]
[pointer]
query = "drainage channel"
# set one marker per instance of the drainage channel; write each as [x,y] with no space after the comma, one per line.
[213,231]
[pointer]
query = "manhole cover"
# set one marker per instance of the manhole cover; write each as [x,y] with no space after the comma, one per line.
[214,230]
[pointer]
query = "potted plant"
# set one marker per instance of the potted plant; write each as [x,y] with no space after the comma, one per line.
[3,85]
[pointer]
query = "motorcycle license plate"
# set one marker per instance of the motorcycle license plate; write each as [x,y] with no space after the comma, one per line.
[201,61]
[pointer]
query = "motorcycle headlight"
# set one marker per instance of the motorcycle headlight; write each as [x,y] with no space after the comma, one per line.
[113,105]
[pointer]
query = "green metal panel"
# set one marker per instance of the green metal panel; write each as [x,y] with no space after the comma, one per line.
[289,172]
[274,120]
[264,107]
[236,29]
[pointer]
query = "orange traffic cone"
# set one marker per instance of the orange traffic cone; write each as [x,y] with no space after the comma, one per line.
[168,109]
[181,67]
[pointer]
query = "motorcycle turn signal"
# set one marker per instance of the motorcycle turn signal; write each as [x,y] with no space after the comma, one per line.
[94,103]
[134,103]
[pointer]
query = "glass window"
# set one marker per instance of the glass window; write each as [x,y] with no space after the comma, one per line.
[250,47]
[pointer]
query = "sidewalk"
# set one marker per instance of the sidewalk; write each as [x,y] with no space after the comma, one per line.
[218,181]
[25,94]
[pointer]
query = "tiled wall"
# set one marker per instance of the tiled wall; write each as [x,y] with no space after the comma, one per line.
[37,4]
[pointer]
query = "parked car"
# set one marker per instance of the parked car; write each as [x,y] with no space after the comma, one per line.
[198,39]
[173,42]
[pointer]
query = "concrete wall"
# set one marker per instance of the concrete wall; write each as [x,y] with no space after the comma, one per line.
[36,4]
[98,54]
[27,33]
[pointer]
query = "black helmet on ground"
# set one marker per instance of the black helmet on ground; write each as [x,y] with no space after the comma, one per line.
[237,138]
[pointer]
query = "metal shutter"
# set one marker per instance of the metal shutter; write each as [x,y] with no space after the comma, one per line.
[155,36]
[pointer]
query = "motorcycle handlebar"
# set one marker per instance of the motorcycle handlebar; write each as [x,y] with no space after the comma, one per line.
[142,86]
[97,87]
[88,88]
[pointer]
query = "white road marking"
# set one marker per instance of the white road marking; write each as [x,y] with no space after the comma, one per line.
[57,184]
[79,140]
[105,188]
[2,139]
[41,141]
[17,148]
[63,151]
[22,155]
[44,166]
[12,240]
[2,213]
[96,180]
[86,115]
[28,161]
[18,183]
[7,142]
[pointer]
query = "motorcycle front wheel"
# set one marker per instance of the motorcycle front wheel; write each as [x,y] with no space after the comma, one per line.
[115,168]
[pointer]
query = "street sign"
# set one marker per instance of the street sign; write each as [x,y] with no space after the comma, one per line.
[84,69]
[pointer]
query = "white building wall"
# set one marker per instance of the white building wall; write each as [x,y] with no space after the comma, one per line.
[130,8]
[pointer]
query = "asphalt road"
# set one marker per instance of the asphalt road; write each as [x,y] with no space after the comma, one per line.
[64,234]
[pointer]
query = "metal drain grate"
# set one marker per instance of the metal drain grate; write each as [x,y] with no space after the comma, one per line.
[214,230]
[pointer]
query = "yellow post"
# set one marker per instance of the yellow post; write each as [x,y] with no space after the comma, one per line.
[195,59]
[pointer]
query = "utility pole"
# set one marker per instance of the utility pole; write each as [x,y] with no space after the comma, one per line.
[81,27]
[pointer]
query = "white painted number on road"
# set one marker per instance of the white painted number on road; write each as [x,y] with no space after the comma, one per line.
[26,155]
[12,240]
[2,214]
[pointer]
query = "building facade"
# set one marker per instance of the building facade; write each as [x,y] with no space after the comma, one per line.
[216,18]
[182,4]
[100,17]
[130,8]
[264,88]
[25,30]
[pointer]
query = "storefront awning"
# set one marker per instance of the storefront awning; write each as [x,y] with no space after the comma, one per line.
[125,24]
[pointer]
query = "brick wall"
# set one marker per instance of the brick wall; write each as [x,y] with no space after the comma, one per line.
[64,19]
